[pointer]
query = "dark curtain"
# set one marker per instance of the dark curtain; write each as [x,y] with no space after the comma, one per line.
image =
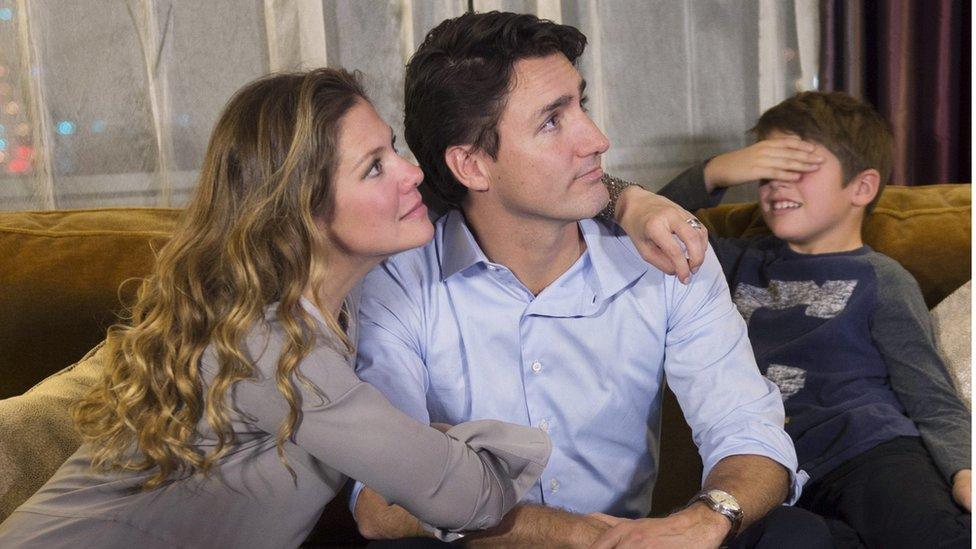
[911,60]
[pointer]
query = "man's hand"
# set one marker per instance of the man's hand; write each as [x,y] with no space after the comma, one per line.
[695,526]
[377,519]
[962,489]
[656,225]
[785,159]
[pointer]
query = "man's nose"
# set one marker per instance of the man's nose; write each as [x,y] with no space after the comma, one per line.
[592,139]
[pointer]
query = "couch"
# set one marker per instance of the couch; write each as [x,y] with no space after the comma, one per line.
[66,273]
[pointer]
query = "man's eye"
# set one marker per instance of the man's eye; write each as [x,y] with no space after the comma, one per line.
[376,168]
[551,123]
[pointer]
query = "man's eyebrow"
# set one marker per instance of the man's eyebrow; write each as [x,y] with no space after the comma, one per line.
[374,152]
[561,101]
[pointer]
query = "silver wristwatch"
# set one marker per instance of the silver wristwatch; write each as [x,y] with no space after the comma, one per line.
[722,502]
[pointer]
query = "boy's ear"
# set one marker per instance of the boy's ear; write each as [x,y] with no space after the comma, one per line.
[468,166]
[865,187]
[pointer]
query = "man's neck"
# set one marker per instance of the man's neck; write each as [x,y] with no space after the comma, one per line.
[537,251]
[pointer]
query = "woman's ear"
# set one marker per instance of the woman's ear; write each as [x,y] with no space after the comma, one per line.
[468,166]
[865,187]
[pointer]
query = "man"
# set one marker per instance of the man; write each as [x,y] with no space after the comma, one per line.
[518,310]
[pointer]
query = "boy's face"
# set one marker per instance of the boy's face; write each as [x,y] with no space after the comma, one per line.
[815,214]
[549,157]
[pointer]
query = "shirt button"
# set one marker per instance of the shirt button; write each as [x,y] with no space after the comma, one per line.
[544,425]
[554,485]
[537,366]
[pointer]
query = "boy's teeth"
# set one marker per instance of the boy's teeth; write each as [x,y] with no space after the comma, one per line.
[784,204]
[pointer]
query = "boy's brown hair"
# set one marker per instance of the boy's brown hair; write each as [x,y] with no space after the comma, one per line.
[853,130]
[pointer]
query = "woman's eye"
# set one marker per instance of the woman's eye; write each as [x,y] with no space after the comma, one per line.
[376,168]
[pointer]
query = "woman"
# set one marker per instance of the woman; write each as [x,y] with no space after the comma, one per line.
[229,413]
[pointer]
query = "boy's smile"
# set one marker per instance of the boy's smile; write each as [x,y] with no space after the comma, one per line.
[817,213]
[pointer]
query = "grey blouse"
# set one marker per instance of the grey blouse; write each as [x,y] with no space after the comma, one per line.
[466,479]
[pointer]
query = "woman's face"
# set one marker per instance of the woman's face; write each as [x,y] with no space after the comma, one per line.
[378,210]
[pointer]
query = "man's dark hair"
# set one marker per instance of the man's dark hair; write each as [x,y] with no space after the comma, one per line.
[457,84]
[853,130]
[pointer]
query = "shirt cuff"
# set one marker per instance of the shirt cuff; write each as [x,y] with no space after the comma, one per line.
[798,479]
[354,497]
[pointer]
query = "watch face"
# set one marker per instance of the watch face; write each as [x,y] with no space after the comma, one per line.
[723,499]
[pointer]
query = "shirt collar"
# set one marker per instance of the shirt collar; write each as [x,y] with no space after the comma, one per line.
[460,250]
[614,259]
[616,262]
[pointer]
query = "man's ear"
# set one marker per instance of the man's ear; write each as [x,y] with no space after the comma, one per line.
[865,187]
[469,166]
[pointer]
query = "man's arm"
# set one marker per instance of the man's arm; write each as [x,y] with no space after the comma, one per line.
[525,525]
[758,483]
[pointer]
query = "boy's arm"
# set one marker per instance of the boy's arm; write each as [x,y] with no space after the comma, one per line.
[902,331]
[785,159]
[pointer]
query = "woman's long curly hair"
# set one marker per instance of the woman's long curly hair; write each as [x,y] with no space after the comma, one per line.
[248,239]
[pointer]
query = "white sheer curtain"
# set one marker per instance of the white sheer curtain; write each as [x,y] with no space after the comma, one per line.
[111,102]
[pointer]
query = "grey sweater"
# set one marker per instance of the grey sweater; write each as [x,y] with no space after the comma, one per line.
[465,479]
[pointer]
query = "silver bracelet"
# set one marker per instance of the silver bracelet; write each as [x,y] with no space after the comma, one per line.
[615,186]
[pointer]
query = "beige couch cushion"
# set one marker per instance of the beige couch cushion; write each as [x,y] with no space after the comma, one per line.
[38,433]
[952,320]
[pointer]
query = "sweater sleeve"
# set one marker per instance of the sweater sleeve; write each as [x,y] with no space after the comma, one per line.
[688,190]
[902,331]
[465,479]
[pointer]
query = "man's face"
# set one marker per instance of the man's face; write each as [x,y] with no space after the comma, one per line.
[816,213]
[548,163]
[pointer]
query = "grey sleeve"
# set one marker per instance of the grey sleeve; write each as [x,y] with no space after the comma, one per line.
[902,330]
[688,190]
[465,479]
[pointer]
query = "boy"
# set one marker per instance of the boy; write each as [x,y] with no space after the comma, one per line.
[841,329]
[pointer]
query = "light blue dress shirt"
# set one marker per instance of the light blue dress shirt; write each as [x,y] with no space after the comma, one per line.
[448,336]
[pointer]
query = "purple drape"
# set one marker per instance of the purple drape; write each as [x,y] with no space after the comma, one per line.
[911,60]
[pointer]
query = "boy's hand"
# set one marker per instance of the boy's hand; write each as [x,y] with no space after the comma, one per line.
[962,489]
[786,159]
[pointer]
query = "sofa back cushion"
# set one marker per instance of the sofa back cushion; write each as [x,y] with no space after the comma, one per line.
[60,283]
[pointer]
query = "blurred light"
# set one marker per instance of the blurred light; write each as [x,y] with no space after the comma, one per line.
[36,71]
[6,14]
[184,120]
[5,88]
[12,108]
[23,129]
[24,152]
[66,127]
[3,144]
[3,129]
[98,126]
[18,165]
[3,157]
